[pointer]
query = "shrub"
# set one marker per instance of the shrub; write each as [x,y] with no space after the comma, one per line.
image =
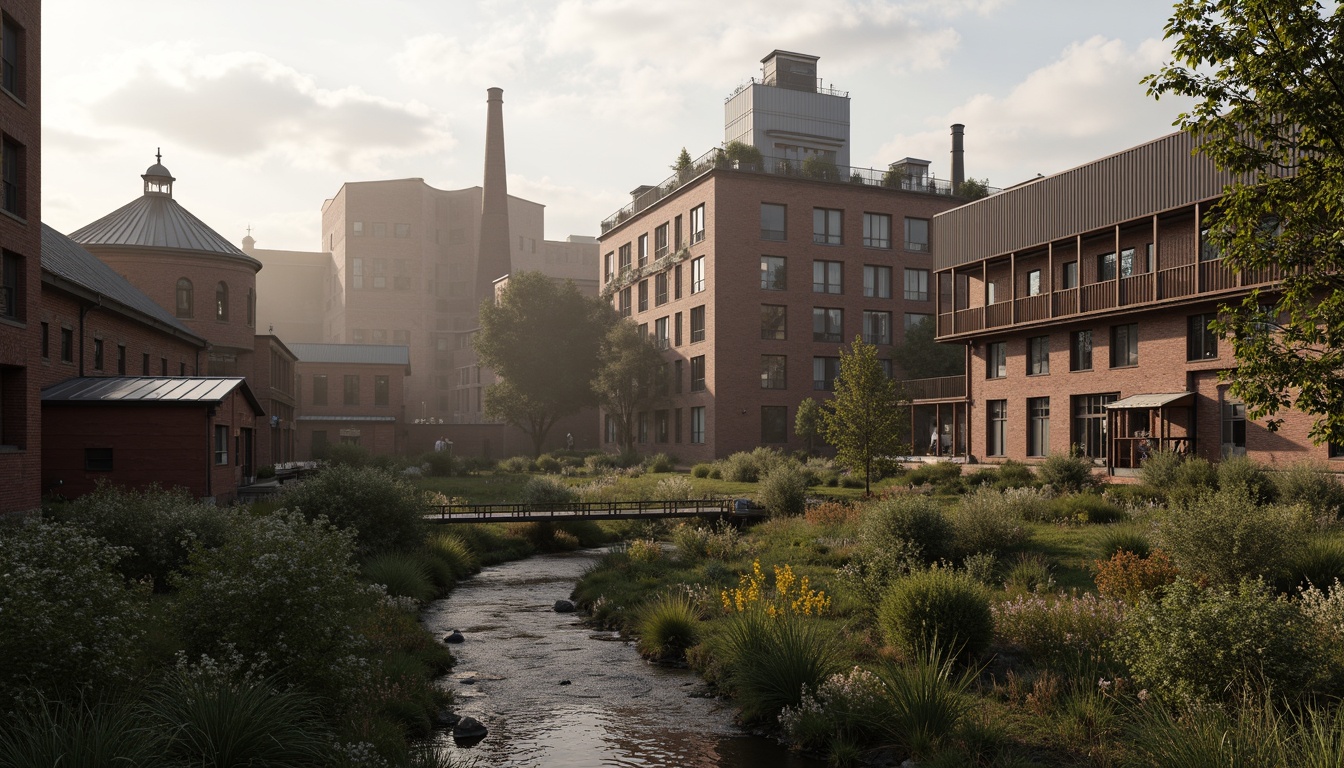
[740,467]
[659,462]
[548,464]
[1255,732]
[848,707]
[67,619]
[548,490]
[987,520]
[1067,473]
[1085,508]
[384,512]
[1130,577]
[701,470]
[518,464]
[1030,573]
[1316,561]
[1197,644]
[831,514]
[1121,539]
[667,627]
[346,455]
[1193,477]
[913,524]
[1059,630]
[937,606]
[1313,486]
[644,551]
[715,472]
[600,461]
[1247,476]
[1014,474]
[401,574]
[784,490]
[939,473]
[770,660]
[678,488]
[694,542]
[1224,537]
[438,463]
[266,473]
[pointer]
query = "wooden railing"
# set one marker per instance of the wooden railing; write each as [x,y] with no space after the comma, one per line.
[1066,301]
[584,510]
[1097,296]
[1215,276]
[1129,452]
[1136,289]
[1031,308]
[999,314]
[1176,282]
[938,388]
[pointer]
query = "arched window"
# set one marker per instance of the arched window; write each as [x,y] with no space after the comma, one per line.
[251,308]
[221,301]
[184,302]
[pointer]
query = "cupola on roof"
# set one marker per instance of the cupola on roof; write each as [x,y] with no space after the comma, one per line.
[156,220]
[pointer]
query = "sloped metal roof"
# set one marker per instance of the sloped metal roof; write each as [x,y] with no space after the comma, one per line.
[383,354]
[64,258]
[347,418]
[1149,401]
[182,390]
[158,221]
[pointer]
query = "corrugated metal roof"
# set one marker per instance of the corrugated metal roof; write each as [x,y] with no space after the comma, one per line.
[383,354]
[347,418]
[64,258]
[158,221]
[1149,401]
[148,389]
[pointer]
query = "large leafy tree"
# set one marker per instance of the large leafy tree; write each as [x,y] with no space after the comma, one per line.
[1267,77]
[867,419]
[809,422]
[542,340]
[631,377]
[921,356]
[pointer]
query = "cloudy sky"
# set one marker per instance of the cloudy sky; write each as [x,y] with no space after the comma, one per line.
[263,109]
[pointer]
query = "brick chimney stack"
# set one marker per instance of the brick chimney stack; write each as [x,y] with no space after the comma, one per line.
[494,245]
[958,161]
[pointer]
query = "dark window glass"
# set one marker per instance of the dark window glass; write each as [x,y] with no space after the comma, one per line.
[698,373]
[996,360]
[1124,345]
[774,321]
[319,389]
[773,276]
[1080,350]
[996,438]
[1038,426]
[351,389]
[1038,355]
[97,459]
[827,324]
[697,324]
[1200,342]
[773,372]
[772,221]
[774,424]
[382,387]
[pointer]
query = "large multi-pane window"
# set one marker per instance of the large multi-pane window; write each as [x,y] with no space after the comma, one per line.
[828,324]
[773,372]
[916,284]
[1200,342]
[698,373]
[772,221]
[826,226]
[1038,355]
[876,327]
[697,274]
[643,250]
[1234,427]
[996,437]
[660,336]
[623,257]
[773,276]
[774,424]
[877,230]
[827,276]
[698,424]
[1038,426]
[773,321]
[1089,424]
[697,224]
[697,324]
[824,372]
[660,289]
[1080,350]
[1124,345]
[351,389]
[996,360]
[660,241]
[643,295]
[876,282]
[917,234]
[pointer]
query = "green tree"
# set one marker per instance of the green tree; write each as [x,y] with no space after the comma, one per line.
[541,338]
[1267,79]
[683,164]
[867,418]
[809,423]
[627,378]
[973,189]
[921,356]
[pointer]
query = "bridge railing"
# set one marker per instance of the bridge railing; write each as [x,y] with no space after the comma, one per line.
[577,509]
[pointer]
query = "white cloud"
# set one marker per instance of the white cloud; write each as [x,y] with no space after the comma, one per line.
[495,59]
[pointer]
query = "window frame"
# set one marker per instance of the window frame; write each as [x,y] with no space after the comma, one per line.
[1200,343]
[911,242]
[828,226]
[996,427]
[874,286]
[697,274]
[774,372]
[1038,356]
[883,335]
[921,276]
[698,329]
[775,322]
[828,325]
[873,226]
[774,424]
[1130,335]
[828,368]
[1038,426]
[773,279]
[1080,356]
[776,235]
[697,223]
[698,374]
[698,425]
[996,360]
[828,269]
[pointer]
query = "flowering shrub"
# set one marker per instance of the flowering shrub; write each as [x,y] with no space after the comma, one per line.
[722,542]
[67,617]
[1058,628]
[987,520]
[676,488]
[791,595]
[385,512]
[1225,537]
[830,514]
[644,551]
[848,705]
[1129,577]
[784,489]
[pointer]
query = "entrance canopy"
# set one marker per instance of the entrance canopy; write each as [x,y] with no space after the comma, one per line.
[1138,425]
[1150,401]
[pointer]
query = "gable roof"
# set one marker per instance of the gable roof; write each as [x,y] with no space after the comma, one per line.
[382,354]
[151,390]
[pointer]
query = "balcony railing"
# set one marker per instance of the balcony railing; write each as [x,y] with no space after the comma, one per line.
[939,388]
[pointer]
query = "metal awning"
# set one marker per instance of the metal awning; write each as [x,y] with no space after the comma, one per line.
[1149,401]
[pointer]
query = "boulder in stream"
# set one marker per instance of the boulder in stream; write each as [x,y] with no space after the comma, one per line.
[453,637]
[564,606]
[469,731]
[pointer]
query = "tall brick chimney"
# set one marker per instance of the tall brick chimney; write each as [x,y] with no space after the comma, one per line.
[492,260]
[958,162]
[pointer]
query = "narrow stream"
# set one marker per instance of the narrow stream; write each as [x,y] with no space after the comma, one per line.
[556,694]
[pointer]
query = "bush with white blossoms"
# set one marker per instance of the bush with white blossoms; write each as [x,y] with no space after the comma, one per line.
[67,617]
[850,705]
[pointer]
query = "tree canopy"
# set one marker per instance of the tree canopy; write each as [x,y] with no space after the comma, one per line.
[920,356]
[542,339]
[631,377]
[1267,77]
[866,419]
[809,422]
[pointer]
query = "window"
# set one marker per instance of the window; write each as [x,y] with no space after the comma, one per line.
[1105,267]
[319,442]
[382,390]
[10,284]
[826,276]
[67,345]
[11,172]
[184,298]
[1089,424]
[676,282]
[1070,274]
[319,389]
[624,252]
[877,230]
[1034,282]
[660,426]
[379,270]
[826,226]
[676,328]
[251,308]
[357,228]
[676,425]
[824,371]
[698,274]
[1200,342]
[1234,427]
[121,359]
[97,354]
[772,221]
[676,233]
[1207,250]
[611,429]
[697,224]
[643,295]
[916,285]
[876,327]
[144,364]
[1038,426]
[697,324]
[915,318]
[773,374]
[828,324]
[351,389]
[660,289]
[11,78]
[1124,345]
[917,234]
[642,420]
[97,459]
[357,273]
[698,424]
[660,243]
[773,275]
[163,366]
[1038,356]
[626,302]
[221,301]
[1148,258]
[221,445]
[380,229]
[774,424]
[401,230]
[643,250]
[1126,262]
[773,322]
[698,373]
[660,333]
[876,282]
[46,341]
[996,437]
[996,360]
[609,266]
[1080,350]
[677,366]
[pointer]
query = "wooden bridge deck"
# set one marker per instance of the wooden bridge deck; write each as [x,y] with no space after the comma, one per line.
[595,510]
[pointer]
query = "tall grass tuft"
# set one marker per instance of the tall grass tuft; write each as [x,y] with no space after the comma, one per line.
[55,733]
[928,699]
[404,575]
[667,627]
[453,550]
[1314,485]
[769,659]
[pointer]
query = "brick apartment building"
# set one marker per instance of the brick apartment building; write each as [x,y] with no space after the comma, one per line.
[351,393]
[20,252]
[1084,298]
[752,272]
